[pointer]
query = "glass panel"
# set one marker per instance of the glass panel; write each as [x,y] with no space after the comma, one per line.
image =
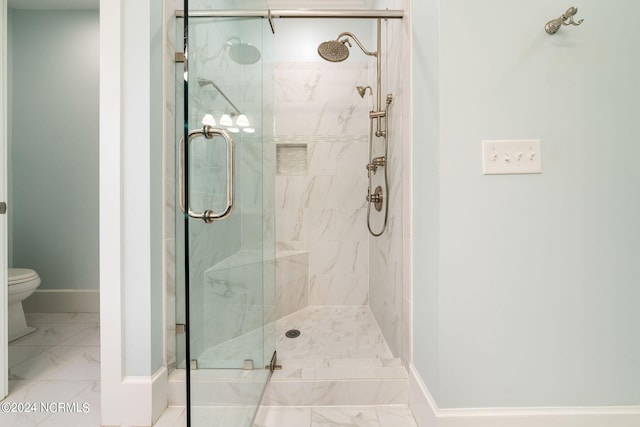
[227,271]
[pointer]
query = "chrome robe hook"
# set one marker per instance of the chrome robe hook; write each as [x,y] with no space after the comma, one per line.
[554,25]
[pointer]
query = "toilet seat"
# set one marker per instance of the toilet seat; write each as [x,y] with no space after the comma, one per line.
[21,275]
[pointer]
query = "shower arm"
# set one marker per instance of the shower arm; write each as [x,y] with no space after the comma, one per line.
[379,113]
[355,39]
[204,82]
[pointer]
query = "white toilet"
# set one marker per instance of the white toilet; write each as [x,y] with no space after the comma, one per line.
[22,283]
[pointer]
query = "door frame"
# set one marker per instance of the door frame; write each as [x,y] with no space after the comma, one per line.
[4,333]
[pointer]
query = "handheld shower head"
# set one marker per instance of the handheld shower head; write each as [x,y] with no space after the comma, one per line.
[362,90]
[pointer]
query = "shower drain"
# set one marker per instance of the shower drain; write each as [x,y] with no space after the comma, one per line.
[292,333]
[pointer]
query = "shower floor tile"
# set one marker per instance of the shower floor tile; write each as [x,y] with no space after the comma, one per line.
[347,336]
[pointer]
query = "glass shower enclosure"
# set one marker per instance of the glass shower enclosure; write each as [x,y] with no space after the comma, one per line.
[225,279]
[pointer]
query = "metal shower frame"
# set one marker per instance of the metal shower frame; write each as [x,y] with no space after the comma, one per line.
[292,13]
[374,196]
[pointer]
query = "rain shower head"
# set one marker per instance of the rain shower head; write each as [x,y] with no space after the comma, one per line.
[334,50]
[337,51]
[241,52]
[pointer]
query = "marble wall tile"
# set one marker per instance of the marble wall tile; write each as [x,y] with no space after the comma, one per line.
[336,392]
[290,226]
[317,105]
[229,393]
[338,273]
[388,270]
[292,284]
[331,417]
[336,225]
[374,416]
[320,98]
[292,192]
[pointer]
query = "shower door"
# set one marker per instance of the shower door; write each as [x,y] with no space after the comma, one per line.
[226,215]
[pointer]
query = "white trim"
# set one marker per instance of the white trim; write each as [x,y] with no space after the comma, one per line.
[125,284]
[4,346]
[111,322]
[428,414]
[144,398]
[63,301]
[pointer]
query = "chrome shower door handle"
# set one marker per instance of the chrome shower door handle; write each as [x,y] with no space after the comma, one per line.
[208,215]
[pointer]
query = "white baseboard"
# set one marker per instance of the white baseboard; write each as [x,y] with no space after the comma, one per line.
[428,414]
[63,301]
[143,399]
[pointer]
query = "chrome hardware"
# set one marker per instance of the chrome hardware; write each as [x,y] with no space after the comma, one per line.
[193,365]
[379,161]
[273,365]
[3,208]
[376,198]
[376,163]
[179,57]
[180,329]
[554,25]
[270,18]
[247,365]
[208,216]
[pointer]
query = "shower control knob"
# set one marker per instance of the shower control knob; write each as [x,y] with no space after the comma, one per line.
[376,198]
[379,161]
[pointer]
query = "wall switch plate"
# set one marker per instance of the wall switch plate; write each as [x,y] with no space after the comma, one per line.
[511,156]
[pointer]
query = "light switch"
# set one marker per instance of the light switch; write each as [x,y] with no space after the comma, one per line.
[511,156]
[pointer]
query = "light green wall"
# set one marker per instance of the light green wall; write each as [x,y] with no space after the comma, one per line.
[536,275]
[54,146]
[426,196]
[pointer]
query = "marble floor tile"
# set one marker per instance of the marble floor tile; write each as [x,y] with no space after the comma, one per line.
[39,318]
[51,333]
[173,416]
[19,354]
[45,363]
[83,410]
[395,416]
[228,416]
[84,366]
[57,365]
[89,336]
[299,416]
[283,417]
[60,363]
[39,392]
